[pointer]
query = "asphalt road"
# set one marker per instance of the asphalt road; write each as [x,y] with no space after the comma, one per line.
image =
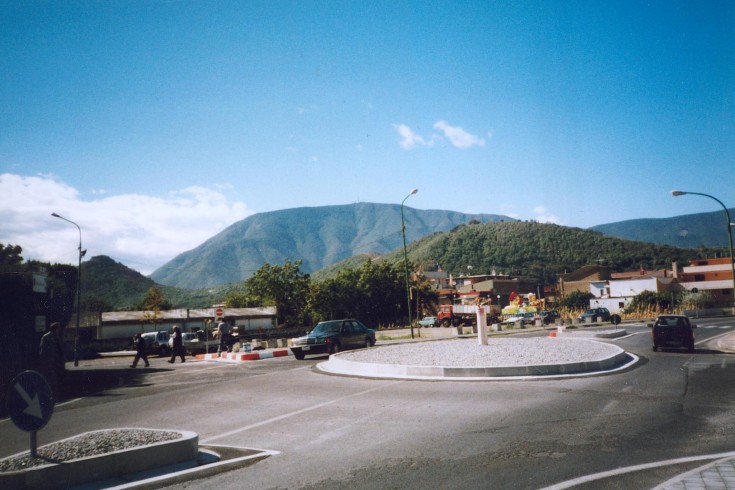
[339,432]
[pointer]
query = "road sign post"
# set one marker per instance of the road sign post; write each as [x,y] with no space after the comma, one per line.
[30,404]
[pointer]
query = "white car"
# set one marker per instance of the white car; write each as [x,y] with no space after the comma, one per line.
[428,321]
[157,342]
[513,319]
[190,341]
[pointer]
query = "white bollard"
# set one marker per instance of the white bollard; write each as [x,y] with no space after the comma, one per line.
[482,334]
[481,325]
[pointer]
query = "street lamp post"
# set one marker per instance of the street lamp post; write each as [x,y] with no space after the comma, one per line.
[729,232]
[405,261]
[79,287]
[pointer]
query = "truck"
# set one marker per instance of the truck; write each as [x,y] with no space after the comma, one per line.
[463,314]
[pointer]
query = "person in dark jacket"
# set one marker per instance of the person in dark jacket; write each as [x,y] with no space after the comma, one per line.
[178,345]
[140,351]
[223,332]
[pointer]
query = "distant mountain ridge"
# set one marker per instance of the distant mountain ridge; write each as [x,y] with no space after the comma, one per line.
[318,236]
[687,231]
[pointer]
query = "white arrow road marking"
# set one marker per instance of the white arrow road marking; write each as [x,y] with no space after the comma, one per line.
[34,405]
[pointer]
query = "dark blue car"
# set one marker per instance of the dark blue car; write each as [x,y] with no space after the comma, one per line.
[333,336]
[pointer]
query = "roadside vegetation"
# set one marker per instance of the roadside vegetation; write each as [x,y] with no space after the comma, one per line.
[374,292]
[372,287]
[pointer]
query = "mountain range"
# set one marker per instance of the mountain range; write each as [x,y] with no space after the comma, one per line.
[327,235]
[318,236]
[688,231]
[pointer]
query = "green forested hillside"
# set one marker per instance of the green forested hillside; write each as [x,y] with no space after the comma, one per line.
[354,262]
[109,285]
[538,250]
[113,283]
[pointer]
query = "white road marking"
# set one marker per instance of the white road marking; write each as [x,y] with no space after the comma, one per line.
[631,469]
[296,412]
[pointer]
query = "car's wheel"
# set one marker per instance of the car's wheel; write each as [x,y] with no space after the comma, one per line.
[164,351]
[334,348]
[655,348]
[299,355]
[369,343]
[446,324]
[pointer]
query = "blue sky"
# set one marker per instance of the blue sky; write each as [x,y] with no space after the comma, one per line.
[154,125]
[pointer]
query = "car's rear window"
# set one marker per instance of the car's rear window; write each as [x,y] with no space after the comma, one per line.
[671,322]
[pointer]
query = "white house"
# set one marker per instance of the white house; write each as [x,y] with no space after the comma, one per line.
[616,294]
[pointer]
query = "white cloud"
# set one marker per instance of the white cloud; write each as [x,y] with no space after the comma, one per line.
[140,231]
[458,136]
[544,216]
[409,139]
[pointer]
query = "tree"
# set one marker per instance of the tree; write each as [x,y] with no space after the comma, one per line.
[577,300]
[383,289]
[697,300]
[649,302]
[237,299]
[10,255]
[375,293]
[426,297]
[284,287]
[153,303]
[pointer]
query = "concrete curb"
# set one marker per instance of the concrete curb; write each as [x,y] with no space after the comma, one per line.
[107,465]
[600,334]
[337,365]
[244,356]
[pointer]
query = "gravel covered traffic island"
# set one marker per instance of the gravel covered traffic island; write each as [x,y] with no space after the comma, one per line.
[97,455]
[86,445]
[467,358]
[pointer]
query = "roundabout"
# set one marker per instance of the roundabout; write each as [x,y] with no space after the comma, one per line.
[468,360]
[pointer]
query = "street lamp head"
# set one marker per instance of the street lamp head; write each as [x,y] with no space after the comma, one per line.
[55,215]
[677,193]
[413,192]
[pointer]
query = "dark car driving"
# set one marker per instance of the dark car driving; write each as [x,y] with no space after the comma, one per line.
[333,336]
[594,314]
[549,316]
[673,331]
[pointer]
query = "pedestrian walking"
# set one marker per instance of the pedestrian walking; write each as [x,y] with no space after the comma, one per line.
[140,350]
[177,345]
[51,354]
[223,332]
